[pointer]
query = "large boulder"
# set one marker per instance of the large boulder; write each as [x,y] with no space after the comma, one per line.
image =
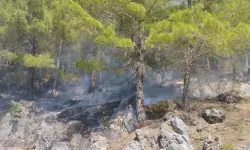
[213,115]
[230,97]
[173,135]
[124,120]
[170,140]
[179,126]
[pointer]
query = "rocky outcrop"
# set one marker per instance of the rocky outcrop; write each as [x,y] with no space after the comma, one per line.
[142,142]
[229,97]
[98,142]
[213,115]
[173,135]
[30,128]
[124,120]
[211,143]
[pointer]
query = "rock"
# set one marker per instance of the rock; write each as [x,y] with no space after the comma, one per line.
[130,120]
[229,97]
[199,128]
[61,146]
[135,145]
[124,119]
[36,129]
[143,139]
[245,88]
[77,140]
[211,144]
[76,127]
[98,142]
[213,115]
[170,140]
[142,142]
[179,126]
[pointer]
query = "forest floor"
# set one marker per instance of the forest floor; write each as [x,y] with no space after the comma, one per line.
[234,131]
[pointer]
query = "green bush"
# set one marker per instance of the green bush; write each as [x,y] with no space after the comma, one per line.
[16,109]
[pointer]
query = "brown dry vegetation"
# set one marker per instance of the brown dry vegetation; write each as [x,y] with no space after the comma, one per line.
[235,130]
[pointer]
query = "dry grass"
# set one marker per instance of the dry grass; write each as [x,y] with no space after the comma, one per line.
[235,130]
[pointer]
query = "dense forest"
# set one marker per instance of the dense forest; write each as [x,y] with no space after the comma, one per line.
[49,43]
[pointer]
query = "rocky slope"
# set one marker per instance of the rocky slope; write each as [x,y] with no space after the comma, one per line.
[220,123]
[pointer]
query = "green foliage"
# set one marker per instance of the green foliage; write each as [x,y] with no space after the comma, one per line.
[89,65]
[39,61]
[234,11]
[108,36]
[186,27]
[16,109]
[8,56]
[160,34]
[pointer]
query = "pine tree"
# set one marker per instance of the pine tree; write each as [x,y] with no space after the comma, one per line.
[190,32]
[237,14]
[130,20]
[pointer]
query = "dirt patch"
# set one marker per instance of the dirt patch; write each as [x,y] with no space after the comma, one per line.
[235,130]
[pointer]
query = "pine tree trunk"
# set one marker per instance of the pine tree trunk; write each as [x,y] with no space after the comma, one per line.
[140,93]
[93,82]
[234,73]
[56,84]
[140,87]
[139,42]
[185,98]
[32,71]
[246,60]
[208,64]
[31,82]
[100,78]
[57,73]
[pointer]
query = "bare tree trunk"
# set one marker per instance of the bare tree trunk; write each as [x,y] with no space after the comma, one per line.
[100,78]
[32,71]
[208,64]
[246,60]
[57,73]
[234,72]
[185,98]
[93,83]
[31,81]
